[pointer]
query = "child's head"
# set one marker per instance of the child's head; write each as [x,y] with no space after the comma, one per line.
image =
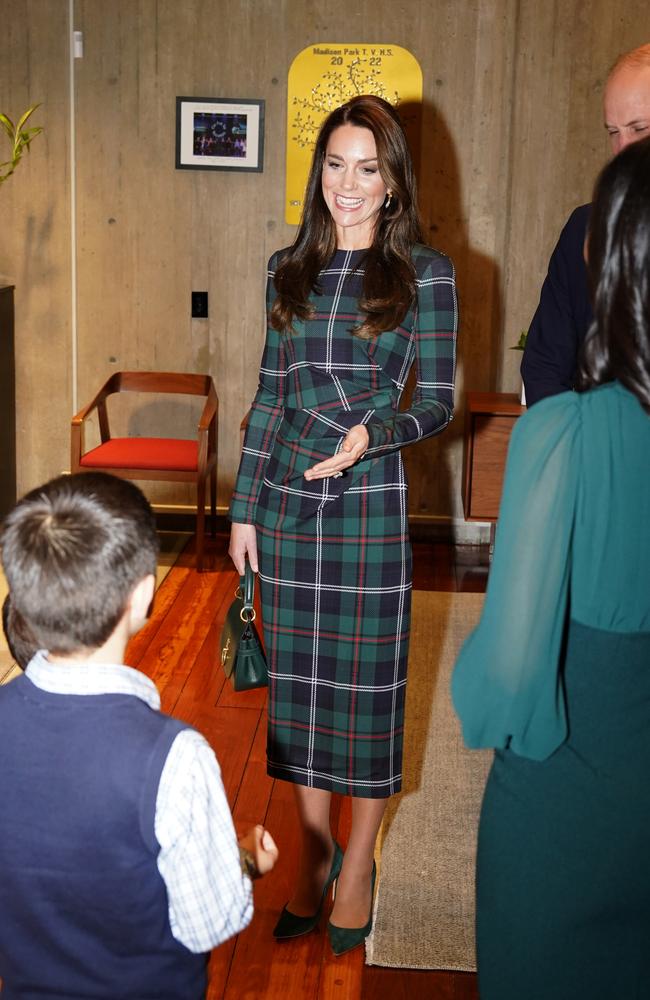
[73,550]
[21,644]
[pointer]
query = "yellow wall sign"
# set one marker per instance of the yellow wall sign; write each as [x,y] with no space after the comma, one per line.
[324,76]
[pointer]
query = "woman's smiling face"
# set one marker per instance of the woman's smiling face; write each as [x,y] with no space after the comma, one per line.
[353,188]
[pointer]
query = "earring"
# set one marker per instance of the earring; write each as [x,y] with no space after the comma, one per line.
[389,198]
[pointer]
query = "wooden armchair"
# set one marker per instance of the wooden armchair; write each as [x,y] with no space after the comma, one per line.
[169,459]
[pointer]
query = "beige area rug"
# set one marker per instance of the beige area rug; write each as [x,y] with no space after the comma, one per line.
[172,544]
[424,904]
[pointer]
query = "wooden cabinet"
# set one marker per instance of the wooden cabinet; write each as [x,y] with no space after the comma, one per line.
[489,419]
[7,401]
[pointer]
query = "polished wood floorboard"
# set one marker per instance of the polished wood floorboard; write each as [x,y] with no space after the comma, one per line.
[179,649]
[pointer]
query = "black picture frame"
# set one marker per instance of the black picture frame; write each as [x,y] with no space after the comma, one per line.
[219,133]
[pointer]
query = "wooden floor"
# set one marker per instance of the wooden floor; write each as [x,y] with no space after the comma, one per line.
[179,649]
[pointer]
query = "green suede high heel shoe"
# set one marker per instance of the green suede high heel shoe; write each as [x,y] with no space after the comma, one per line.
[343,939]
[290,925]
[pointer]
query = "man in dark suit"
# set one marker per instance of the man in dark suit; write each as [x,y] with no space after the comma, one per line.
[564,313]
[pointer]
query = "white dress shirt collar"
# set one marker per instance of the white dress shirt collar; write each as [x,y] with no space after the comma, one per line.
[84,678]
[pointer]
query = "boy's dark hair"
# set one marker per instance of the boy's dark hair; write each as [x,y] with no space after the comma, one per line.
[19,639]
[72,552]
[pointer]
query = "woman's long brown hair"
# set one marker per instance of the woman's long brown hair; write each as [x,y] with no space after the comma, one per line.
[389,276]
[617,345]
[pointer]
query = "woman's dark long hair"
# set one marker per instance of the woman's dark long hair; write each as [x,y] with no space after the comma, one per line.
[389,278]
[617,345]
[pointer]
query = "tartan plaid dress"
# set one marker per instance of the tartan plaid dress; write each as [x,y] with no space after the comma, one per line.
[335,556]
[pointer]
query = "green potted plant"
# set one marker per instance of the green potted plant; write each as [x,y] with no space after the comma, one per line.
[20,138]
[519,346]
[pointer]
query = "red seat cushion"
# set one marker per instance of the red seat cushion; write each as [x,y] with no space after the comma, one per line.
[144,453]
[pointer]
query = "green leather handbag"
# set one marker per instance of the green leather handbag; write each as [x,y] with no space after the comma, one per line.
[242,653]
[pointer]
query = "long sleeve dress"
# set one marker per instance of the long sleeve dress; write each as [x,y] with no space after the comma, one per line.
[556,677]
[335,557]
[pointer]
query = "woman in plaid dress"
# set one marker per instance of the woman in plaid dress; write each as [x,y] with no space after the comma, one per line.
[321,494]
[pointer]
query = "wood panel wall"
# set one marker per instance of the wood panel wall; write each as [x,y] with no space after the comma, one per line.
[512,140]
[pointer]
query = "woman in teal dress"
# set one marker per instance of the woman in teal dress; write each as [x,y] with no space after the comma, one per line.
[557,675]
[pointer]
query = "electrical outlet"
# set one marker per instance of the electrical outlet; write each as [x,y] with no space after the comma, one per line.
[199,305]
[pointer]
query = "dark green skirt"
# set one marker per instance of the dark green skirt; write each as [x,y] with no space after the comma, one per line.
[563,871]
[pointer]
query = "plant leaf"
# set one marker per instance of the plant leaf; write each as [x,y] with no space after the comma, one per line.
[521,343]
[30,111]
[7,125]
[20,138]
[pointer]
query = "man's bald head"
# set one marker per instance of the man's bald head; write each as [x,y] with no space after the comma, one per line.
[627,98]
[631,60]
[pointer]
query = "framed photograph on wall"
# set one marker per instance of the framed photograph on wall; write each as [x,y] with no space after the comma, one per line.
[219,133]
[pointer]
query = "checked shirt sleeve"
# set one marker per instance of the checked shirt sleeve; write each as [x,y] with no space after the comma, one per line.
[210,900]
[434,334]
[264,419]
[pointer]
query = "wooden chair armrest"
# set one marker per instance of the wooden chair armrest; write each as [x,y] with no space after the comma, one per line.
[210,410]
[108,388]
[77,430]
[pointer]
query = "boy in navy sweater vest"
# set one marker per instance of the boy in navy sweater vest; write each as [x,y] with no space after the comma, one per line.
[119,865]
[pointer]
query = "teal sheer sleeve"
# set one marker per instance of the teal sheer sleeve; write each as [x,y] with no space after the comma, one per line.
[506,687]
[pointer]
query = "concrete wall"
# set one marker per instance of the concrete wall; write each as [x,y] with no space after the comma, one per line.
[512,140]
